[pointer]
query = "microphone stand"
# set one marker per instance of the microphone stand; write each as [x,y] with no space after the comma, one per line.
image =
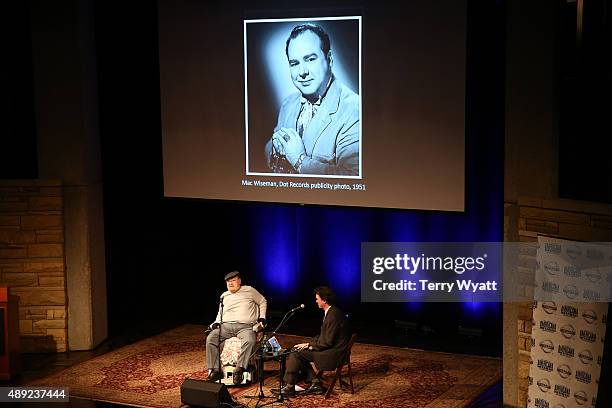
[219,339]
[219,351]
[260,367]
[279,398]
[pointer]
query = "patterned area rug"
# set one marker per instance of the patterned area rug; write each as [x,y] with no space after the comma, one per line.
[149,373]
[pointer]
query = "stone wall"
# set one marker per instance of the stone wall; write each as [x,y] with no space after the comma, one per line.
[32,260]
[565,219]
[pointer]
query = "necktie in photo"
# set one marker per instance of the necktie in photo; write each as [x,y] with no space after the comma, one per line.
[306,113]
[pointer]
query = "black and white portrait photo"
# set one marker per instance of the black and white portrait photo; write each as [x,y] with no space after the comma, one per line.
[303,97]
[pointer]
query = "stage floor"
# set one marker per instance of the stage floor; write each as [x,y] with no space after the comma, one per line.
[149,373]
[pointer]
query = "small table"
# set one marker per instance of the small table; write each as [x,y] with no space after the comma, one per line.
[281,357]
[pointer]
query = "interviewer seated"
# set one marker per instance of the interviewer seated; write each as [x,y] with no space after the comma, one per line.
[243,307]
[326,350]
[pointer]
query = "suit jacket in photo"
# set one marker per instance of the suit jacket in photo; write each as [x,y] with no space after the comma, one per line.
[329,347]
[331,139]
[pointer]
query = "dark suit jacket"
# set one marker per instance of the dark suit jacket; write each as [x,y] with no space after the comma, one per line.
[329,347]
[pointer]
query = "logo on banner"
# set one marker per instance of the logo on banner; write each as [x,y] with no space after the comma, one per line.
[549,307]
[548,326]
[551,268]
[547,346]
[573,251]
[585,357]
[589,316]
[541,403]
[545,365]
[569,311]
[562,391]
[544,385]
[580,397]
[565,351]
[583,377]
[594,275]
[552,248]
[572,271]
[588,336]
[568,331]
[550,287]
[571,291]
[591,295]
[564,371]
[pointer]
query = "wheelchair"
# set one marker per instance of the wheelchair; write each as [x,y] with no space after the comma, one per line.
[229,358]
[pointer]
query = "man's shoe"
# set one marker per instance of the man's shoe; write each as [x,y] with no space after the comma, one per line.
[287,391]
[215,375]
[315,389]
[238,375]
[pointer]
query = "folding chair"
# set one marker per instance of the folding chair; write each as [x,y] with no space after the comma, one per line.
[337,376]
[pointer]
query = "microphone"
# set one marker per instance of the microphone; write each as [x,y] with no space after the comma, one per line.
[295,309]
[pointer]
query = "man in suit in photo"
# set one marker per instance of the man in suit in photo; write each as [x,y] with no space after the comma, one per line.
[326,351]
[318,128]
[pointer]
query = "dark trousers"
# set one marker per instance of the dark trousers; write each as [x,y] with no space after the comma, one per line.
[298,367]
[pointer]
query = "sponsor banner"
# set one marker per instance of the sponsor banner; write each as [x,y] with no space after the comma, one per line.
[580,272]
[567,338]
[573,271]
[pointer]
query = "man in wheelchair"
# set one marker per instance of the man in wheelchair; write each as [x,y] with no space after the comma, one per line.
[243,311]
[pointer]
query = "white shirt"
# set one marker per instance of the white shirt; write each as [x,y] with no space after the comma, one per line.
[326,312]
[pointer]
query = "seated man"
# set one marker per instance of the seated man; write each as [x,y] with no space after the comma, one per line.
[326,350]
[242,307]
